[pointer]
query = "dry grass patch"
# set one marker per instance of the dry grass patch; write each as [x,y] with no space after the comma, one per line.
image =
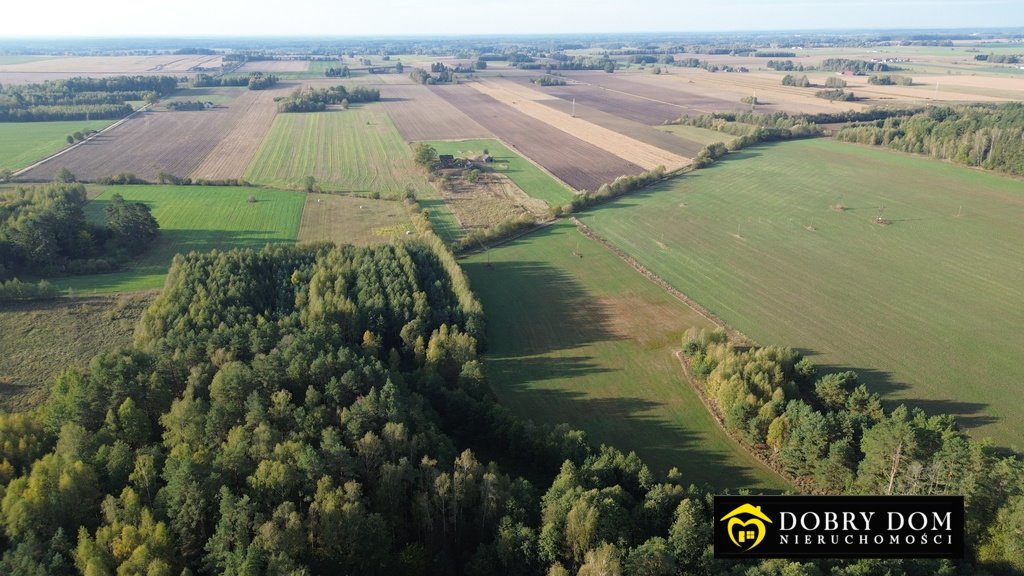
[492,199]
[41,339]
[352,220]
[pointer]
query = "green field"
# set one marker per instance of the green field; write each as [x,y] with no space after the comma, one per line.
[220,95]
[351,220]
[41,339]
[355,150]
[194,218]
[22,143]
[930,308]
[589,341]
[524,173]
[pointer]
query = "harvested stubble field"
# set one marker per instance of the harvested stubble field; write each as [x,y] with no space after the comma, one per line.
[352,220]
[41,339]
[529,101]
[146,144]
[575,335]
[22,143]
[194,218]
[526,175]
[108,65]
[420,114]
[673,89]
[646,134]
[253,115]
[274,66]
[929,309]
[579,164]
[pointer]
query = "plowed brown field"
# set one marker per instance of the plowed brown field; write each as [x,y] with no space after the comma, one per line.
[420,114]
[579,164]
[253,113]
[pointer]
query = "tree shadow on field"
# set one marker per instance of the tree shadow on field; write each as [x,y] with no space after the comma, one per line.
[629,424]
[393,99]
[968,414]
[544,306]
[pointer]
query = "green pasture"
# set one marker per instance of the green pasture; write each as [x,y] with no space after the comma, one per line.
[575,335]
[350,151]
[194,218]
[22,143]
[929,308]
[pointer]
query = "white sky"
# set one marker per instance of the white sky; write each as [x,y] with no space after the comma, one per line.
[175,18]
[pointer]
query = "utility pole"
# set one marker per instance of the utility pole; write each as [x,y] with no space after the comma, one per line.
[573,107]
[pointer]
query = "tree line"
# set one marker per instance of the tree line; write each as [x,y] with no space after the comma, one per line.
[856,67]
[890,80]
[317,99]
[80,98]
[44,231]
[985,136]
[254,81]
[829,434]
[188,105]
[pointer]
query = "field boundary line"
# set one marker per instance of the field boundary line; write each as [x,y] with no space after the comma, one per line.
[77,144]
[755,454]
[734,334]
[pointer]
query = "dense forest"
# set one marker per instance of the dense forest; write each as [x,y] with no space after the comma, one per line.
[829,434]
[322,410]
[43,231]
[80,98]
[986,136]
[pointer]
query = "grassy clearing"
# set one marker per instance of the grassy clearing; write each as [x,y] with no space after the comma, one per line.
[350,220]
[22,143]
[524,173]
[694,134]
[589,341]
[41,339]
[356,150]
[194,218]
[929,308]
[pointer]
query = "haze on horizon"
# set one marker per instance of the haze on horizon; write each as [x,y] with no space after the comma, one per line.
[93,18]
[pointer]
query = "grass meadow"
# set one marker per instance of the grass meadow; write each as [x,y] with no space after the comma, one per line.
[356,150]
[22,143]
[929,308]
[193,218]
[351,220]
[41,339]
[524,173]
[575,335]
